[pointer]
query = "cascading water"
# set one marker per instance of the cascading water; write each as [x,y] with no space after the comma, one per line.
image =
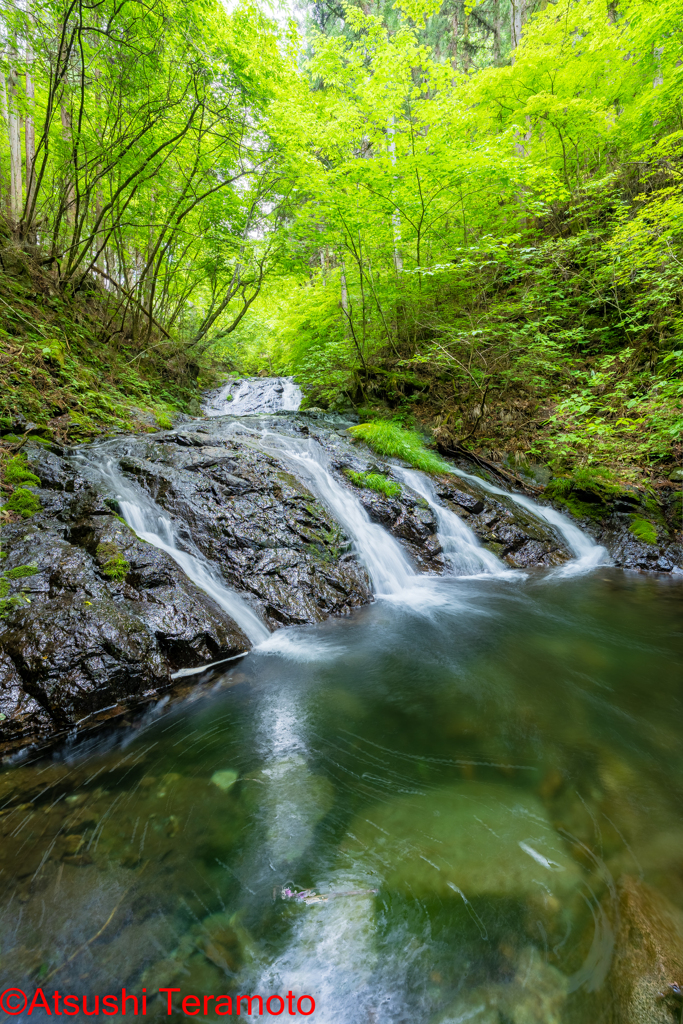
[383,557]
[459,543]
[255,395]
[150,523]
[587,553]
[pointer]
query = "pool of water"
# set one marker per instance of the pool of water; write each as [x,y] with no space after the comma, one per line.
[415,814]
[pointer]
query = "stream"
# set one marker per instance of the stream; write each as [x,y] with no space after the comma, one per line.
[427,810]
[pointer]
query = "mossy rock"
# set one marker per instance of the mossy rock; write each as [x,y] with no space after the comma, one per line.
[111,561]
[24,503]
[643,529]
[17,472]
[20,571]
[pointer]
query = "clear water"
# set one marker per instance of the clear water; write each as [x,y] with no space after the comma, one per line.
[463,780]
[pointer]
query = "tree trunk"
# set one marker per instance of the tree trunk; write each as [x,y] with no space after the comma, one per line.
[344,289]
[29,138]
[14,126]
[3,182]
[69,192]
[496,31]
[454,38]
[517,12]
[396,216]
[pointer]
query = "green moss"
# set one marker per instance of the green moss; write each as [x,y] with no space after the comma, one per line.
[643,529]
[374,482]
[112,562]
[4,587]
[8,603]
[560,487]
[19,571]
[17,472]
[393,441]
[163,419]
[24,503]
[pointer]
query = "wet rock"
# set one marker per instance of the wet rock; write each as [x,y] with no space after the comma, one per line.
[476,839]
[515,535]
[81,640]
[648,956]
[405,517]
[252,518]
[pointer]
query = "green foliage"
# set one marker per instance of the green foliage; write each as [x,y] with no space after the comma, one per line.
[112,562]
[392,441]
[17,472]
[374,482]
[23,502]
[643,529]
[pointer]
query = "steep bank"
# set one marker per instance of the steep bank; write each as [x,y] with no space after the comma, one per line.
[72,364]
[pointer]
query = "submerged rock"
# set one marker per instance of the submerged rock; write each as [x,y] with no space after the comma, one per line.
[535,994]
[646,979]
[468,840]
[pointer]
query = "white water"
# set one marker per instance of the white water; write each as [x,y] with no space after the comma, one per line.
[383,557]
[152,524]
[460,545]
[587,553]
[255,395]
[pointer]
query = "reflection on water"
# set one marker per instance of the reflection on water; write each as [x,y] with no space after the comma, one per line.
[462,792]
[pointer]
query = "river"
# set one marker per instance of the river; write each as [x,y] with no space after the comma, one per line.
[420,812]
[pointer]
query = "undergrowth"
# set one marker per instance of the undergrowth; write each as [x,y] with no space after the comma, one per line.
[63,370]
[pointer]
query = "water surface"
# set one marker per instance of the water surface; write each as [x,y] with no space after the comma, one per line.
[463,773]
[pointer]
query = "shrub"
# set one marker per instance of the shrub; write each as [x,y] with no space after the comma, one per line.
[388,439]
[374,482]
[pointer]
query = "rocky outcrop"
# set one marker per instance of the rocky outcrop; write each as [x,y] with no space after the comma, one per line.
[96,617]
[102,619]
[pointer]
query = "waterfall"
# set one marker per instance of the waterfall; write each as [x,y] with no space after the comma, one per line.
[587,553]
[383,557]
[254,395]
[153,525]
[459,543]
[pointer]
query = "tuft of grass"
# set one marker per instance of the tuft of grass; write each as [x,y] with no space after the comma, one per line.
[643,529]
[392,441]
[17,472]
[374,482]
[23,503]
